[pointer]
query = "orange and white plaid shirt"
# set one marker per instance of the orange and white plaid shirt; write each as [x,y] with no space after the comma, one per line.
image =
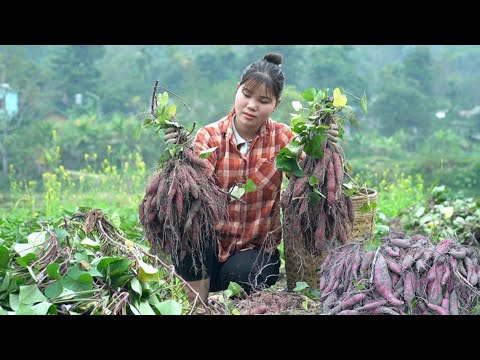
[252,224]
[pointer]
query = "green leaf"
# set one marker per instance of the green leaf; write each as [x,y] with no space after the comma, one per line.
[30,294]
[23,249]
[67,294]
[420,211]
[206,153]
[314,147]
[42,308]
[297,120]
[170,111]
[363,103]
[372,244]
[136,286]
[14,301]
[300,286]
[365,208]
[94,272]
[313,199]
[52,270]
[320,95]
[83,283]
[147,272]
[288,164]
[61,235]
[426,218]
[24,261]
[297,105]
[145,309]
[4,257]
[54,290]
[249,186]
[447,212]
[314,293]
[37,238]
[309,94]
[81,255]
[90,243]
[134,310]
[122,280]
[170,307]
[74,272]
[162,99]
[119,267]
[237,192]
[5,282]
[111,266]
[313,180]
[234,287]
[115,220]
[294,147]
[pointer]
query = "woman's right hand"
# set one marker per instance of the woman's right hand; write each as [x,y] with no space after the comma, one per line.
[171,136]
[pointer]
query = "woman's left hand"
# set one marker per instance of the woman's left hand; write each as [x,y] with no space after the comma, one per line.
[332,133]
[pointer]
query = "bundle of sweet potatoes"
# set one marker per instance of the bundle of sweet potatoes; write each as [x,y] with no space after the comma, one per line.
[328,221]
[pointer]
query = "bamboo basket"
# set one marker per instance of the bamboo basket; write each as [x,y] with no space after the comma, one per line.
[301,265]
[363,224]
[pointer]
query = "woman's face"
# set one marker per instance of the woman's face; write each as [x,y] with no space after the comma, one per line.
[253,108]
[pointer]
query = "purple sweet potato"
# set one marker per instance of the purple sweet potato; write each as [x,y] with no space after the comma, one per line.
[383,281]
[438,309]
[458,254]
[401,243]
[372,305]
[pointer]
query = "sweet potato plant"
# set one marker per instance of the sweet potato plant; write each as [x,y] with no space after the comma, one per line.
[182,204]
[313,203]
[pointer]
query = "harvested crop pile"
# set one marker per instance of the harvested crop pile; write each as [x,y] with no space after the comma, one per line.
[182,204]
[404,275]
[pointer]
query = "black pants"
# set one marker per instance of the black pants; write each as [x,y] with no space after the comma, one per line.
[252,269]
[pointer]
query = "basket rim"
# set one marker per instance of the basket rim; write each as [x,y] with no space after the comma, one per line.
[371,192]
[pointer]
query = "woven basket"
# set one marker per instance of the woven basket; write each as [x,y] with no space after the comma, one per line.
[363,223]
[301,265]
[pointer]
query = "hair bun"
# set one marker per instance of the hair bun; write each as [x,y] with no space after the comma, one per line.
[274,58]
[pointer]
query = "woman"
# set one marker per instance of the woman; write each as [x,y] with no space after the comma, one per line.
[247,141]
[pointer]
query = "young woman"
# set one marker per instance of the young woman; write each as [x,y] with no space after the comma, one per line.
[247,141]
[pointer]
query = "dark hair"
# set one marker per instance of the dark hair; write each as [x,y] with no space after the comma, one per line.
[265,71]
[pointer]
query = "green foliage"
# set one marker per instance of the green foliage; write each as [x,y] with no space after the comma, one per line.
[444,215]
[303,288]
[82,280]
[310,122]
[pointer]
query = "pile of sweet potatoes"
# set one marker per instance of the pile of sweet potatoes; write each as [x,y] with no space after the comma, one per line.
[404,275]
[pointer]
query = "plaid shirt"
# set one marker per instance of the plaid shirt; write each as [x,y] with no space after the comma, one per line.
[256,223]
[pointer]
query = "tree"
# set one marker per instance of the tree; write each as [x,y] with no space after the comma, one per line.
[23,75]
[75,71]
[332,66]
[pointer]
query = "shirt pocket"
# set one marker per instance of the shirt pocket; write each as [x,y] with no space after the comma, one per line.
[266,176]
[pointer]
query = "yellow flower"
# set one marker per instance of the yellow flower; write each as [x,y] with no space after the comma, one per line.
[339,100]
[129,244]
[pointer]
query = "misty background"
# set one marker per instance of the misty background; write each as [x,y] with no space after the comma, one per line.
[81,102]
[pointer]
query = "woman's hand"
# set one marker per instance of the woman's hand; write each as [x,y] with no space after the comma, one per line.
[171,136]
[332,133]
